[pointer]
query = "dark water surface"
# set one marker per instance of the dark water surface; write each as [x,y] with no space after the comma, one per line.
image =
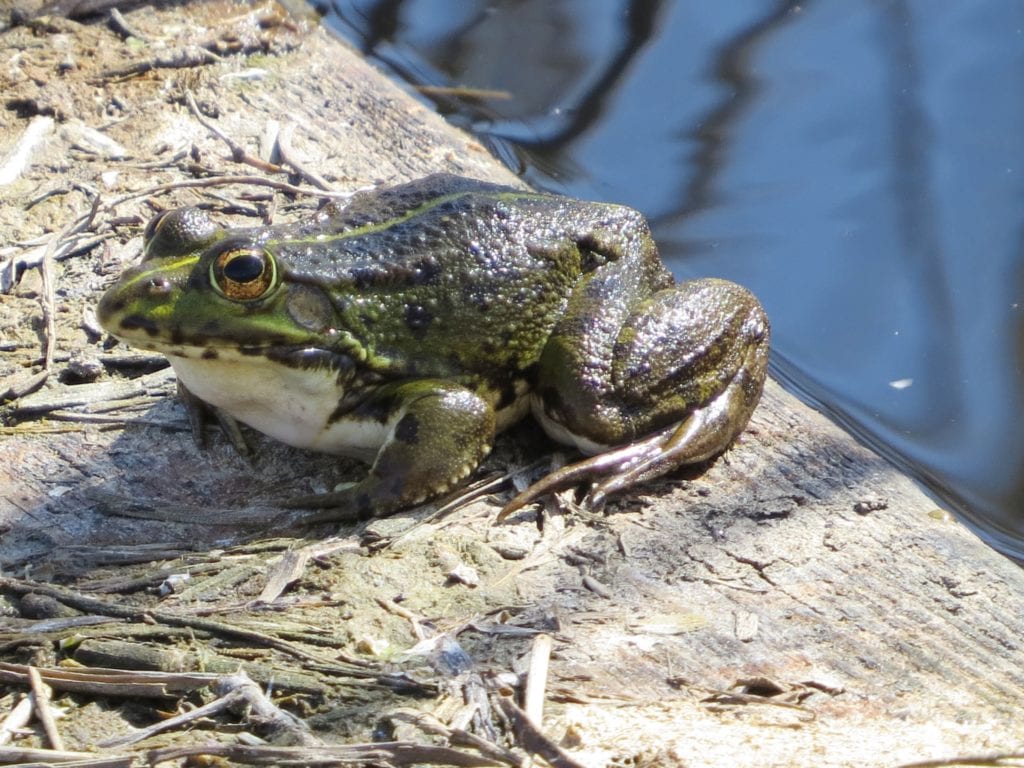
[859,164]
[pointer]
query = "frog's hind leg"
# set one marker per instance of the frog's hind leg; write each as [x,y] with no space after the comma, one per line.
[678,384]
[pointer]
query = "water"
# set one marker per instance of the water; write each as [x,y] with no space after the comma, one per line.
[858,164]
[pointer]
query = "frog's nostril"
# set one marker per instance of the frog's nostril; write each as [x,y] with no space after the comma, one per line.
[158,286]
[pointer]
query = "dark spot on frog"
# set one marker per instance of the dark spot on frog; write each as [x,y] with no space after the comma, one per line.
[139,323]
[178,337]
[396,482]
[390,471]
[553,405]
[377,408]
[210,354]
[507,396]
[407,428]
[116,305]
[425,270]
[372,275]
[364,506]
[310,359]
[479,296]
[366,277]
[418,318]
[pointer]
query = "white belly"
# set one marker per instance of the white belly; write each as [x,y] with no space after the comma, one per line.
[289,404]
[559,433]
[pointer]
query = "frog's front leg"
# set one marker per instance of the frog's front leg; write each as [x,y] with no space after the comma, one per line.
[672,380]
[198,410]
[436,433]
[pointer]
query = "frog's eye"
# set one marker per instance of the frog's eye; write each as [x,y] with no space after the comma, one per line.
[177,232]
[243,273]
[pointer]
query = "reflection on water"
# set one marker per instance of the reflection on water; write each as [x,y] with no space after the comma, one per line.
[860,166]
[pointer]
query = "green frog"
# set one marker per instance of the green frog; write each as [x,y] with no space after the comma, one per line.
[409,325]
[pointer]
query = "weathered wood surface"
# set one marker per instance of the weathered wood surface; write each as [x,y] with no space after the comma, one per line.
[800,561]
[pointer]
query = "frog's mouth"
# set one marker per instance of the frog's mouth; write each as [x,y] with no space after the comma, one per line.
[289,356]
[296,356]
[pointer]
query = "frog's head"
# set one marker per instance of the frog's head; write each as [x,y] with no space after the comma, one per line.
[204,291]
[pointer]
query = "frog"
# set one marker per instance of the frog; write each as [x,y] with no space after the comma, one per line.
[408,325]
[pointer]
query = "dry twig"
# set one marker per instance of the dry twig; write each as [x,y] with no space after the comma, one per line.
[41,696]
[291,566]
[109,682]
[26,756]
[532,739]
[457,736]
[16,719]
[324,664]
[287,153]
[234,691]
[238,153]
[390,753]
[537,679]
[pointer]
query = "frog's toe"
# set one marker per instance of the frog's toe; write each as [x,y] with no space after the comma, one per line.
[342,505]
[607,473]
[703,434]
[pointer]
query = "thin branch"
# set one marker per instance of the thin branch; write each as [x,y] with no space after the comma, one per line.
[287,153]
[234,691]
[238,153]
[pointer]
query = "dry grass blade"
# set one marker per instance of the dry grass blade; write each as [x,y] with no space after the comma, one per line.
[994,760]
[191,57]
[17,718]
[328,665]
[392,753]
[55,242]
[92,605]
[14,163]
[36,380]
[130,654]
[109,682]
[24,756]
[537,679]
[740,698]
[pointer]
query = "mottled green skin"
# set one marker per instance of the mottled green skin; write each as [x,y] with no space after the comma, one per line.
[432,314]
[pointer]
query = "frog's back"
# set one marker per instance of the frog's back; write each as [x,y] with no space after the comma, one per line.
[443,276]
[379,208]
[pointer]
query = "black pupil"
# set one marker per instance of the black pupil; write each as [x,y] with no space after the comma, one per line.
[244,268]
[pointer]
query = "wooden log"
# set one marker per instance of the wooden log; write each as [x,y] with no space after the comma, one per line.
[799,602]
